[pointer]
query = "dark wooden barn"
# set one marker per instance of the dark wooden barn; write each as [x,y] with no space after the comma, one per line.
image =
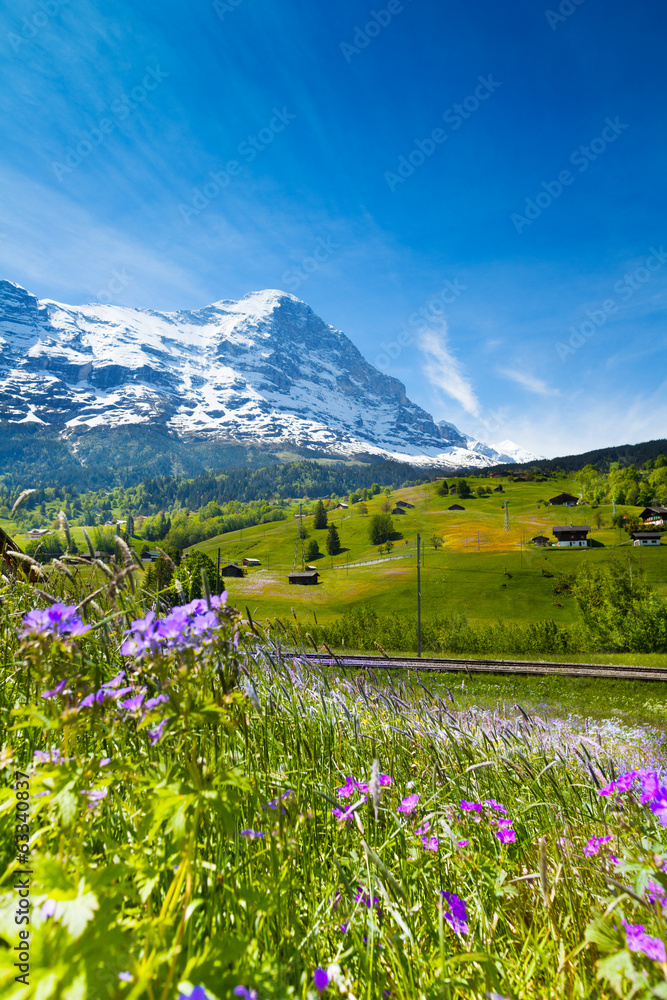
[231,569]
[304,579]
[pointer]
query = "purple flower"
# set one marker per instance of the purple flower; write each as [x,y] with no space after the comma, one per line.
[424,828]
[153,702]
[506,835]
[56,690]
[430,844]
[125,976]
[650,786]
[470,806]
[409,803]
[104,761]
[463,843]
[95,795]
[456,915]
[321,980]
[345,814]
[133,704]
[659,806]
[351,785]
[638,940]
[492,804]
[241,991]
[155,734]
[58,620]
[199,993]
[366,900]
[48,908]
[656,894]
[252,834]
[593,845]
[343,928]
[385,780]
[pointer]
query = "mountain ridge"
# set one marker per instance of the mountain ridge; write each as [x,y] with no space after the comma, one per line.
[260,372]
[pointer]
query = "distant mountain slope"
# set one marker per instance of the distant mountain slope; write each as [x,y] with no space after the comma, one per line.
[263,373]
[601,458]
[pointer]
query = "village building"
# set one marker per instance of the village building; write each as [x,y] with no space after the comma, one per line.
[564,500]
[655,516]
[398,510]
[572,537]
[404,503]
[341,506]
[251,562]
[540,540]
[646,537]
[456,506]
[304,579]
[499,489]
[231,569]
[39,532]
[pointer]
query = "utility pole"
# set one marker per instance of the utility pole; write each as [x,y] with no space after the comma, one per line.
[217,574]
[419,602]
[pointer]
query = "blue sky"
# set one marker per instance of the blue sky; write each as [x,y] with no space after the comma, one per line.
[503,258]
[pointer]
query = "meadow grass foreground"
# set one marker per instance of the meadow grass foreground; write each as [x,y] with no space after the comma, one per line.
[202,813]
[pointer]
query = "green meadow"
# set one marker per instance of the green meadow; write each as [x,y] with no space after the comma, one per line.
[481,571]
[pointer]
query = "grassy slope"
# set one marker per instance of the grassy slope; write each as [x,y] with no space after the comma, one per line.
[466,577]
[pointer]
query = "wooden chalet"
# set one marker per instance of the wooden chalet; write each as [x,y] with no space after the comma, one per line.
[398,510]
[564,500]
[655,516]
[304,579]
[456,506]
[248,561]
[646,537]
[231,569]
[540,540]
[575,536]
[404,503]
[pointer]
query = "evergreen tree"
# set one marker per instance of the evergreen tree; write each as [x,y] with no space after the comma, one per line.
[320,516]
[129,528]
[333,541]
[313,550]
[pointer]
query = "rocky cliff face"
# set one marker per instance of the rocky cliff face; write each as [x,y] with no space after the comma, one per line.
[264,370]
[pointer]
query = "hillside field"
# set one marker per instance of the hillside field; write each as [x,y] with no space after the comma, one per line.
[482,571]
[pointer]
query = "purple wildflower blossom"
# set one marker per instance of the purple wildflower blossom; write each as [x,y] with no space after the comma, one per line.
[470,806]
[104,761]
[126,977]
[366,900]
[48,908]
[593,845]
[321,980]
[463,843]
[424,828]
[198,993]
[506,835]
[456,915]
[430,844]
[133,704]
[385,780]
[155,734]
[252,834]
[343,928]
[656,894]
[241,991]
[351,785]
[56,690]
[95,795]
[650,786]
[409,803]
[492,804]
[659,805]
[59,620]
[638,940]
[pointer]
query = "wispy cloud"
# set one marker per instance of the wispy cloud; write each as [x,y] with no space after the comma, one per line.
[444,371]
[530,382]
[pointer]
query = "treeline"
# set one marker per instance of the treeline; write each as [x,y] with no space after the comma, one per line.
[602,459]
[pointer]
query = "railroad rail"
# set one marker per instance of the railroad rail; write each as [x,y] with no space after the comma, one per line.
[534,667]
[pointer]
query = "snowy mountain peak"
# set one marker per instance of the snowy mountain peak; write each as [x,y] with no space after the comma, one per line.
[264,370]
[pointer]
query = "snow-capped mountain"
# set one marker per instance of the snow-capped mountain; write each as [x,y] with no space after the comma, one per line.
[264,371]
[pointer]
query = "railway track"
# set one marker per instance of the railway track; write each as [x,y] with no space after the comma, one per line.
[533,667]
